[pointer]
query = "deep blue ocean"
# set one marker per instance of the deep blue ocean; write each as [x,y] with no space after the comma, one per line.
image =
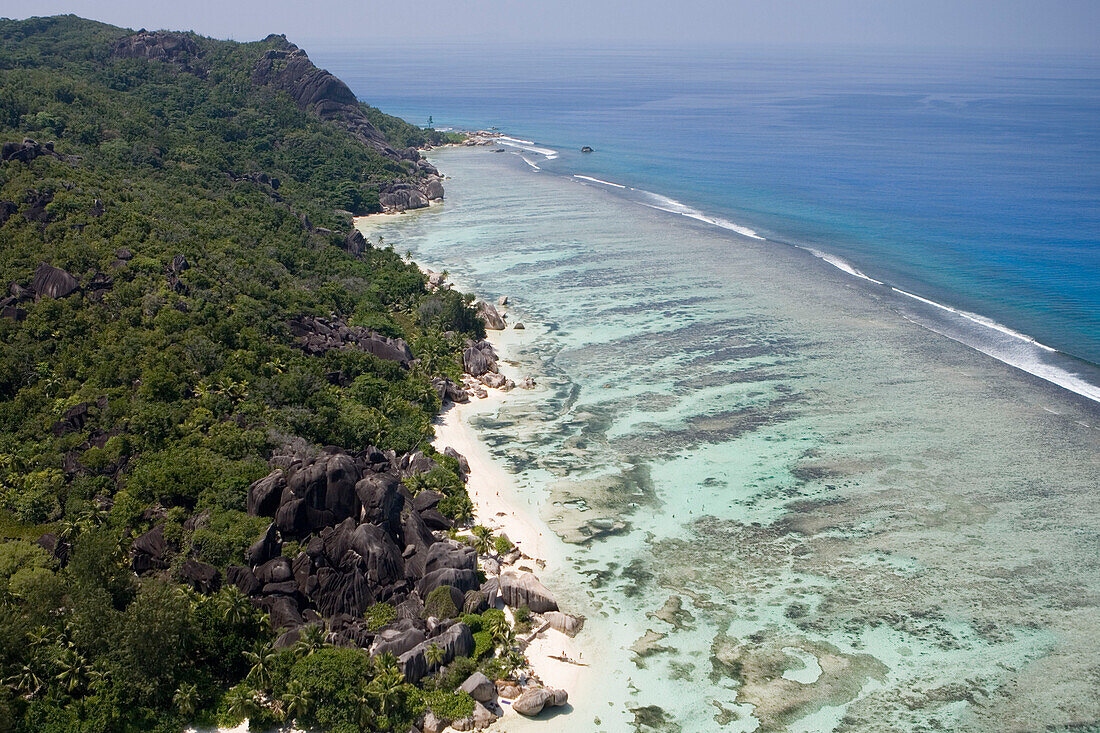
[971,180]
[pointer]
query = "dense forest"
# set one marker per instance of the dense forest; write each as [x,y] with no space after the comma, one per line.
[195,347]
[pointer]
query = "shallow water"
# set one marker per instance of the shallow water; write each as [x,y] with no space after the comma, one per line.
[792,506]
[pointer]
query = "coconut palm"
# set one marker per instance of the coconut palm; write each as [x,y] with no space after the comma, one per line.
[364,710]
[186,700]
[387,691]
[481,539]
[26,681]
[384,661]
[435,655]
[312,639]
[262,658]
[242,703]
[234,605]
[297,700]
[501,631]
[73,670]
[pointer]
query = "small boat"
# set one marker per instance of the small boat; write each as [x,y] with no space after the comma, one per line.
[586,149]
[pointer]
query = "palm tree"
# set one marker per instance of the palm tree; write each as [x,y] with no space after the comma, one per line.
[384,661]
[297,700]
[436,655]
[364,710]
[234,605]
[501,631]
[73,670]
[387,690]
[312,638]
[186,700]
[26,681]
[242,703]
[262,657]
[68,530]
[482,539]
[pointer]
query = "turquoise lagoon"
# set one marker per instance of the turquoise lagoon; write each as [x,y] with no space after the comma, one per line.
[788,501]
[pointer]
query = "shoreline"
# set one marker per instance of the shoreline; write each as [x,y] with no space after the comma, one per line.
[497,506]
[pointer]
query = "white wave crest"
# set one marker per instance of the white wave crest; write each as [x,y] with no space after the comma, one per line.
[980,320]
[841,265]
[597,180]
[530,162]
[527,145]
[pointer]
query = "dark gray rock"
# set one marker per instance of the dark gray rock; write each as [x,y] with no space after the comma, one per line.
[381,501]
[399,640]
[461,579]
[283,612]
[178,49]
[201,577]
[479,687]
[488,313]
[264,495]
[244,579]
[456,641]
[265,548]
[524,589]
[275,570]
[148,551]
[342,592]
[463,464]
[476,362]
[434,520]
[53,282]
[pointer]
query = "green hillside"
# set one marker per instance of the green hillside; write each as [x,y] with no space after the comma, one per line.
[191,221]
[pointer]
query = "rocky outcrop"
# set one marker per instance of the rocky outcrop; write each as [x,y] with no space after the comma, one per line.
[535,699]
[318,335]
[524,589]
[289,69]
[401,197]
[28,150]
[479,687]
[479,358]
[200,576]
[456,641]
[488,313]
[53,282]
[179,49]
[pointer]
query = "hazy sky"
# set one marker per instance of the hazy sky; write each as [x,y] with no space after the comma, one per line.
[1071,25]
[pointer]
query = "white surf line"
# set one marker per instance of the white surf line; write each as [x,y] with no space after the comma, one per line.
[597,180]
[841,264]
[527,145]
[530,162]
[980,320]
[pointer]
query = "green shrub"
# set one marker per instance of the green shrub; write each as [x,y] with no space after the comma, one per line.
[379,615]
[449,705]
[440,604]
[483,644]
[225,539]
[474,621]
[333,677]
